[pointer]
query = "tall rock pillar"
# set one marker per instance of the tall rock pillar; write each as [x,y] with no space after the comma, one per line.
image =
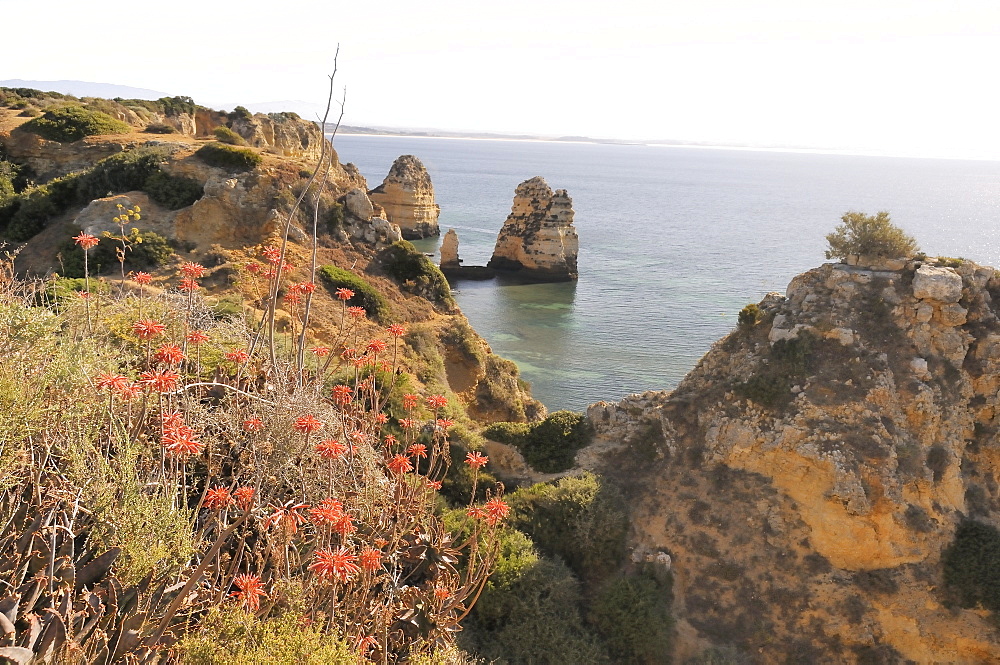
[407,196]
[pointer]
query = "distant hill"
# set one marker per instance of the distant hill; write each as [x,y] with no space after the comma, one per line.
[87,89]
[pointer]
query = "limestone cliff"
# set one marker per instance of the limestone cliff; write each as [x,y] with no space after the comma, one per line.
[807,474]
[285,133]
[538,240]
[449,251]
[407,196]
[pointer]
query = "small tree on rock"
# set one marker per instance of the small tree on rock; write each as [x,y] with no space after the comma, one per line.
[869,235]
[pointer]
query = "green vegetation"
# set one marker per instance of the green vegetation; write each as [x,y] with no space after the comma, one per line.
[548,446]
[787,364]
[365,294]
[240,113]
[416,272]
[972,565]
[171,191]
[228,136]
[750,316]
[229,157]
[149,250]
[869,235]
[160,128]
[72,123]
[579,519]
[632,614]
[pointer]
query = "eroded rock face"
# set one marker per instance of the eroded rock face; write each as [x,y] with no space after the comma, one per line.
[407,196]
[820,462]
[285,133]
[449,250]
[538,240]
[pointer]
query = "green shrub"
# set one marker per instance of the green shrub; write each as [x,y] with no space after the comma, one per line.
[72,123]
[869,235]
[240,113]
[632,614]
[529,611]
[579,519]
[228,136]
[177,105]
[153,252]
[513,434]
[788,363]
[972,565]
[549,446]
[125,172]
[229,157]
[750,316]
[30,112]
[364,294]
[334,217]
[409,267]
[27,214]
[160,128]
[171,191]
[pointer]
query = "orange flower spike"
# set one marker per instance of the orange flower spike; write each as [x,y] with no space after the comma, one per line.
[251,590]
[335,565]
[344,294]
[371,559]
[237,356]
[417,450]
[163,381]
[192,270]
[243,497]
[396,330]
[400,464]
[476,460]
[197,337]
[496,511]
[342,395]
[188,285]
[253,424]
[357,312]
[330,449]
[376,346]
[410,401]
[142,278]
[307,424]
[86,241]
[170,354]
[147,329]
[321,351]
[218,498]
[437,401]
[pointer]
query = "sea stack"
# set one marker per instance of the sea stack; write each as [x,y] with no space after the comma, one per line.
[538,240]
[449,251]
[407,196]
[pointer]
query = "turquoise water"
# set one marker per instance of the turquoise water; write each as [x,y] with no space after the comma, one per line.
[673,242]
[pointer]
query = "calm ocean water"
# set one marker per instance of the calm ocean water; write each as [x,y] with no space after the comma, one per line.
[673,242]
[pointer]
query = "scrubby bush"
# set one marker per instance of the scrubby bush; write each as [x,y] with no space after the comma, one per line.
[152,252]
[972,565]
[788,363]
[869,235]
[750,316]
[549,446]
[240,113]
[364,294]
[27,214]
[177,105]
[125,172]
[334,217]
[72,123]
[229,157]
[580,519]
[632,614]
[160,128]
[171,191]
[228,136]
[409,267]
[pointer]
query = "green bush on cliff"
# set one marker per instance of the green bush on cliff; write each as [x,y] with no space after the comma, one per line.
[229,157]
[409,267]
[869,235]
[750,316]
[364,294]
[72,123]
[124,172]
[788,363]
[171,191]
[579,519]
[153,252]
[549,446]
[160,128]
[972,565]
[632,614]
[228,136]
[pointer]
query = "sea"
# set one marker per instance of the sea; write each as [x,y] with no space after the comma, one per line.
[674,241]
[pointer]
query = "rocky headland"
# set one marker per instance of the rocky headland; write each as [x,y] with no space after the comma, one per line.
[538,240]
[807,477]
[407,197]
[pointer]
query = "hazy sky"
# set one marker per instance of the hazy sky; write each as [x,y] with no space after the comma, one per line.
[913,76]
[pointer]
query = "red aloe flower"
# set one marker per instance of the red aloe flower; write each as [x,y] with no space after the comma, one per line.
[272,254]
[344,526]
[142,278]
[253,267]
[147,329]
[444,423]
[476,460]
[243,497]
[321,351]
[181,441]
[410,401]
[381,418]
[306,287]
[293,298]
[376,346]
[287,516]
[251,590]
[86,241]
[237,356]
[169,354]
[197,337]
[434,484]
[330,449]
[307,424]
[218,498]
[254,424]
[188,285]
[112,382]
[407,423]
[357,312]
[400,464]
[128,391]
[396,330]
[370,558]
[476,513]
[161,381]
[417,450]
[327,513]
[342,395]
[496,510]
[390,439]
[192,270]
[437,401]
[336,564]
[345,294]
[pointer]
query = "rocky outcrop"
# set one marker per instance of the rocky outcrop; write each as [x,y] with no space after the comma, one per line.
[283,133]
[407,196]
[363,221]
[538,240]
[449,251]
[806,476]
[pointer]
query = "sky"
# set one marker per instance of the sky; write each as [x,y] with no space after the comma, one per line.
[915,77]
